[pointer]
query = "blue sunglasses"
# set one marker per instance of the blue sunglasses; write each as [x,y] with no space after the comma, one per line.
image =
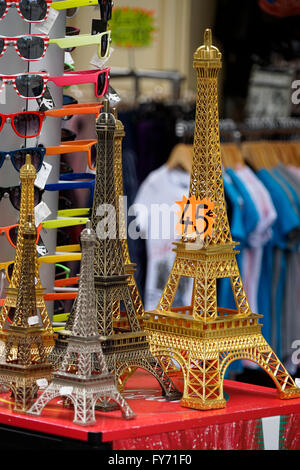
[18,157]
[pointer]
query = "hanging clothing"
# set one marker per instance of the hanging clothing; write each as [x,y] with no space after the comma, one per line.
[163,186]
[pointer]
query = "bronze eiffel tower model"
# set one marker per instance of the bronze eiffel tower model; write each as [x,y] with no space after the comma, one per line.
[203,338]
[25,352]
[77,379]
[124,351]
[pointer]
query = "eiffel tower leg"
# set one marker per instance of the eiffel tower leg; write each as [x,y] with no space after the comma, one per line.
[203,388]
[168,295]
[84,408]
[23,395]
[262,354]
[153,366]
[239,294]
[205,303]
[51,392]
[168,388]
[116,396]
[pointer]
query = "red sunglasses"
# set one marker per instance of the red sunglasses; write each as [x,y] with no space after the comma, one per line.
[33,12]
[31,85]
[25,124]
[28,47]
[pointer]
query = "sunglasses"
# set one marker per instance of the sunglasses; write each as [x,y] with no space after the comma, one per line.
[18,157]
[11,231]
[14,194]
[29,123]
[105,9]
[25,124]
[31,85]
[70,42]
[28,47]
[88,146]
[36,11]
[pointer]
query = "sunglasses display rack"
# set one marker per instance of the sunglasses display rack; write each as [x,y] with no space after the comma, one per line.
[11,63]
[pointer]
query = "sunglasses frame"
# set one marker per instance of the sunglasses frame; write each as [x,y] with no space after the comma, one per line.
[60,5]
[10,154]
[67,79]
[70,146]
[10,3]
[14,40]
[8,190]
[7,229]
[69,42]
[11,117]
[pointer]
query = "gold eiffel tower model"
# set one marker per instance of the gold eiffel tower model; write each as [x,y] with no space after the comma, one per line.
[27,177]
[124,351]
[202,338]
[25,352]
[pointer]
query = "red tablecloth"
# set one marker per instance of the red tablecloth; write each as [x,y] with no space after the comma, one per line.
[168,426]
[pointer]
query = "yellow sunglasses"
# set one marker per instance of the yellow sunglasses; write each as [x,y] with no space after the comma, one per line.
[64,222]
[66,4]
[102,39]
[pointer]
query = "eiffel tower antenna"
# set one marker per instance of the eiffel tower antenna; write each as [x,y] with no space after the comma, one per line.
[78,379]
[203,338]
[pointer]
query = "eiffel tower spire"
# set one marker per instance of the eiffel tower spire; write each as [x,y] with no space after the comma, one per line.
[202,338]
[77,378]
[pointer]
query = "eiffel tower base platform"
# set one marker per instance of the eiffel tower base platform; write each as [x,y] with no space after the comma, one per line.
[204,355]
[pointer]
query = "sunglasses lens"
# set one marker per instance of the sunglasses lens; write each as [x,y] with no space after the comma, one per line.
[93,156]
[104,44]
[27,125]
[19,158]
[15,197]
[33,10]
[37,196]
[30,86]
[31,47]
[2,7]
[1,45]
[101,84]
[13,233]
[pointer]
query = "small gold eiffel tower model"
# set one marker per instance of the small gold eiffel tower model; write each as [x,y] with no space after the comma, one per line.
[27,177]
[77,379]
[124,351]
[202,338]
[25,353]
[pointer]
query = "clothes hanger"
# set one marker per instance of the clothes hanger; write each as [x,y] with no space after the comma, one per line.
[250,152]
[181,156]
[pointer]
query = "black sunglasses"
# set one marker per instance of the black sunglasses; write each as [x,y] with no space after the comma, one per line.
[14,194]
[105,9]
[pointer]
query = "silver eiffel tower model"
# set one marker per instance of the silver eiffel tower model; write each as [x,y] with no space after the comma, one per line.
[83,377]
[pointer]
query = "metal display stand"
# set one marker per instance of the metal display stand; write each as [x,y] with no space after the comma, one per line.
[11,63]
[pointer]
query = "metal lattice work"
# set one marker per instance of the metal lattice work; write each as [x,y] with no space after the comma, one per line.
[83,377]
[202,339]
[25,352]
[27,177]
[128,265]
